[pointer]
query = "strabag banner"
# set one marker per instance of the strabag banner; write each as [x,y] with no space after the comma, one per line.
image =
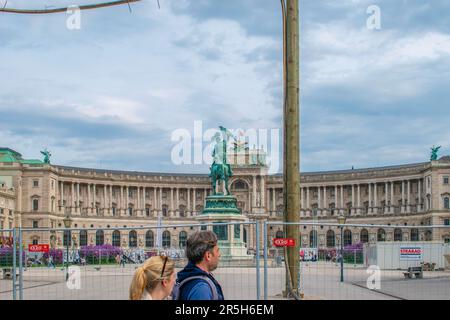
[411,253]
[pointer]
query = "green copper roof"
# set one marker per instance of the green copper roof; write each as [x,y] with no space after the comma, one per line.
[9,155]
[31,161]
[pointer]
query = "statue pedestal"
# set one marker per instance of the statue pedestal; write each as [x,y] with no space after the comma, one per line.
[221,209]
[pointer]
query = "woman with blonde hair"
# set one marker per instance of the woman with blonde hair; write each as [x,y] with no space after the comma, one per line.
[154,280]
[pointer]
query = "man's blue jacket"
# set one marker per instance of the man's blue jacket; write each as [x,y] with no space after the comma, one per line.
[197,289]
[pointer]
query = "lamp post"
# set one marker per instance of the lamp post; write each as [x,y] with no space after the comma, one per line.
[67,224]
[341,221]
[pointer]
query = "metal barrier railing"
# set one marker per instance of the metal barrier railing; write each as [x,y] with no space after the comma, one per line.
[342,271]
[48,282]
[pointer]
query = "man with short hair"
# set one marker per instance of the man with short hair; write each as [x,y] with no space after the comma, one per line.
[195,281]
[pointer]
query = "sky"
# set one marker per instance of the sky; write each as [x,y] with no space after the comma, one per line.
[111,94]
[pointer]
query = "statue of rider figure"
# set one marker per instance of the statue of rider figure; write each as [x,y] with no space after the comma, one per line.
[220,169]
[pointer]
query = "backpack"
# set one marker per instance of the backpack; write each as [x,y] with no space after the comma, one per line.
[176,292]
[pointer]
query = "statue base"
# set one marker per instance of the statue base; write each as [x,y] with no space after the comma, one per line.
[220,209]
[221,204]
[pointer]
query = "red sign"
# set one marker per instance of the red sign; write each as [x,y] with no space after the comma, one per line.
[38,247]
[283,242]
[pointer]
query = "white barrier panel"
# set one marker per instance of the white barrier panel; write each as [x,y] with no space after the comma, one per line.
[402,255]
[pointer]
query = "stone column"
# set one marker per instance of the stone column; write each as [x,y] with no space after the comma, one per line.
[110,198]
[89,196]
[188,201]
[408,197]
[160,199]
[72,195]
[352,210]
[104,199]
[302,197]
[342,199]
[273,200]
[336,205]
[402,210]
[254,192]
[392,197]
[370,198]
[177,199]
[319,202]
[308,205]
[375,193]
[193,200]
[419,195]
[94,194]
[263,192]
[359,200]
[78,198]
[172,209]
[386,197]
[127,200]
[155,205]
[62,193]
[325,205]
[138,203]
[121,201]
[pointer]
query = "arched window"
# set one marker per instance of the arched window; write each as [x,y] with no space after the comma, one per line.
[182,239]
[132,239]
[239,185]
[116,238]
[166,239]
[446,203]
[313,239]
[364,236]
[114,210]
[83,238]
[398,234]
[279,234]
[330,239]
[381,235]
[67,238]
[347,238]
[414,234]
[149,239]
[99,238]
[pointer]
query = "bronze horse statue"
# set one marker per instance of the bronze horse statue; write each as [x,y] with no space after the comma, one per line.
[220,172]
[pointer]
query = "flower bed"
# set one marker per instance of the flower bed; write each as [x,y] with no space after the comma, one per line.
[100,254]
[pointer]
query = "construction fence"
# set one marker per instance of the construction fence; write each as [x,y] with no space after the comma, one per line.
[336,261]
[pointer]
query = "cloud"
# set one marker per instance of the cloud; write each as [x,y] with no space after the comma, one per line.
[109,95]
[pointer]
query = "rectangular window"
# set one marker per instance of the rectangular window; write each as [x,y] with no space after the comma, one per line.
[447,240]
[445,180]
[35,183]
[447,222]
[35,205]
[130,193]
[35,224]
[35,241]
[1,210]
